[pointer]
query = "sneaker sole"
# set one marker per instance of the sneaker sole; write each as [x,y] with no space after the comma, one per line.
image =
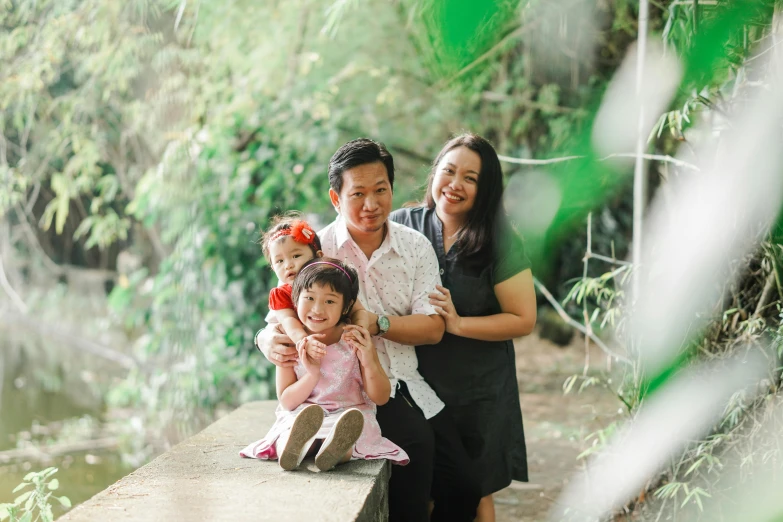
[305,427]
[344,435]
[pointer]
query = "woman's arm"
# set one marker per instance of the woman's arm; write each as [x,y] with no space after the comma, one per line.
[517,298]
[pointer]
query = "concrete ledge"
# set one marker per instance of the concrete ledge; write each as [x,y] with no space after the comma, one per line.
[203,478]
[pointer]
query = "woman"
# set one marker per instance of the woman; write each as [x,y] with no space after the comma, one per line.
[487,299]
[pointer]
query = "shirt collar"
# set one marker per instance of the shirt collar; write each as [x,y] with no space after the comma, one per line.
[341,232]
[342,235]
[391,241]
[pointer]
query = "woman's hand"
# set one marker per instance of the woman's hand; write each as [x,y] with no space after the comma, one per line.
[445,307]
[312,364]
[360,340]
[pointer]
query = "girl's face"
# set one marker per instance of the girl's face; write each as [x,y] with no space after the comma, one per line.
[319,307]
[287,257]
[455,184]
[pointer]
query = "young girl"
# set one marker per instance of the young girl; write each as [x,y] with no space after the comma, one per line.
[331,398]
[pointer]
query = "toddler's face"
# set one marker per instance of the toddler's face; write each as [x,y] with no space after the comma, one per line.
[319,307]
[287,257]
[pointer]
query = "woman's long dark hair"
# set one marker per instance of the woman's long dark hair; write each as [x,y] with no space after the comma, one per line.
[477,234]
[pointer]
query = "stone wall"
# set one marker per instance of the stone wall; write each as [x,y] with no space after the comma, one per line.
[204,479]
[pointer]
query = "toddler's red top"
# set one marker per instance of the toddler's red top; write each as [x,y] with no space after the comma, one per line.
[280,298]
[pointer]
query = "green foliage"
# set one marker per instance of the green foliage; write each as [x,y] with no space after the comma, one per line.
[70,116]
[34,504]
[209,296]
[187,125]
[741,321]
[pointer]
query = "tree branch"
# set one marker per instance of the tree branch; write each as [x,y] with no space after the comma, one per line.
[562,313]
[61,334]
[47,452]
[6,286]
[293,60]
[516,33]
[550,161]
[393,146]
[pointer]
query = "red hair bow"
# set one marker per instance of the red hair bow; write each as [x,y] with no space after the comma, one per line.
[302,233]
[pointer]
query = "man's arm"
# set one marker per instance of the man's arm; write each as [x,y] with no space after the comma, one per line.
[412,329]
[424,325]
[276,346]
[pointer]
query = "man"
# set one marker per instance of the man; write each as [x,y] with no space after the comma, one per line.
[397,270]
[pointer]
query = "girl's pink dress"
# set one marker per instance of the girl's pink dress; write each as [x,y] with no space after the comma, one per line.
[339,389]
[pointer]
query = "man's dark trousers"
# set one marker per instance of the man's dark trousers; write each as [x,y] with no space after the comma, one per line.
[439,467]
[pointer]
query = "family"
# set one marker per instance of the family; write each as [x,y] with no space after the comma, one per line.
[391,332]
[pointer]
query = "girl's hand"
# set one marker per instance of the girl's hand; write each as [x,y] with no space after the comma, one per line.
[360,340]
[312,365]
[445,307]
[315,348]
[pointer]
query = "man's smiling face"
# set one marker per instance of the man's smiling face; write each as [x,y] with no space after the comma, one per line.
[365,200]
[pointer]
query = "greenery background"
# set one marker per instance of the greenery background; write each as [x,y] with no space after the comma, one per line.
[145,144]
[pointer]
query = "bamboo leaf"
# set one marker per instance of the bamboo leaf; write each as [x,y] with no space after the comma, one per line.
[23,497]
[20,487]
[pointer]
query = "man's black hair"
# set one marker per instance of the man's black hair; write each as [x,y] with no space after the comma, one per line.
[357,152]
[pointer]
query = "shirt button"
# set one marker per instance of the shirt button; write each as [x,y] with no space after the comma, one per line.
[441,271]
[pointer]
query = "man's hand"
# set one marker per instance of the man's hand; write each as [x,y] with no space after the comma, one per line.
[277,346]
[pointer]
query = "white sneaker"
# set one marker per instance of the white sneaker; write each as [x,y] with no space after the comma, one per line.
[344,435]
[302,434]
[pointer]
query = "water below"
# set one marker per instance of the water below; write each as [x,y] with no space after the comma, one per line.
[43,386]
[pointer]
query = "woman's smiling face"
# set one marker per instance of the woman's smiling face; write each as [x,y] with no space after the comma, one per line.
[455,184]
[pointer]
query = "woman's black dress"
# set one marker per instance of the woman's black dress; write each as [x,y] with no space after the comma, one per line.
[476,379]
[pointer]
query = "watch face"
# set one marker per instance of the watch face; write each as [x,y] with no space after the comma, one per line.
[383,323]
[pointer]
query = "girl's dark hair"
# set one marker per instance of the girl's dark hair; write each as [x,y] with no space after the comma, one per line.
[284,222]
[355,153]
[319,271]
[478,233]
